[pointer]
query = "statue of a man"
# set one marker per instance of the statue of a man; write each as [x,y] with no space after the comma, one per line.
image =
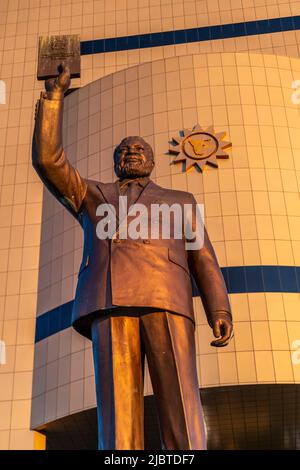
[134,295]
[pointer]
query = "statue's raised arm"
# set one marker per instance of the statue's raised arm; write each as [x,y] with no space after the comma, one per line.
[48,156]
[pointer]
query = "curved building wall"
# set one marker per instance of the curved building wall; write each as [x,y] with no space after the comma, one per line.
[251,213]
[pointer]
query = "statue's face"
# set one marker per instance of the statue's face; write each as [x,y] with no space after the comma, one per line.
[133,158]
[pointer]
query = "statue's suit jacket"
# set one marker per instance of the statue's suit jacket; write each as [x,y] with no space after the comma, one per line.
[114,272]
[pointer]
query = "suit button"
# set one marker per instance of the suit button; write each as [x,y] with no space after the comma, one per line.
[146,241]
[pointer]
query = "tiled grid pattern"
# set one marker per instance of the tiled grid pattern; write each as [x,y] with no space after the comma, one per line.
[21,22]
[251,204]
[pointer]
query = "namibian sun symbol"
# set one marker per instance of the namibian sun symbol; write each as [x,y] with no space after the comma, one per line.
[198,147]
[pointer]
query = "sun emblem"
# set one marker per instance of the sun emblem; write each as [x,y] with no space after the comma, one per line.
[198,147]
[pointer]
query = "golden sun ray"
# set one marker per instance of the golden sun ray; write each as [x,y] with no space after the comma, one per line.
[199,147]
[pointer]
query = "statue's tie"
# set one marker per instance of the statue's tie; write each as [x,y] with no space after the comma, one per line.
[132,192]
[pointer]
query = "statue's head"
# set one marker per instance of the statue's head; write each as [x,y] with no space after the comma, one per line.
[133,158]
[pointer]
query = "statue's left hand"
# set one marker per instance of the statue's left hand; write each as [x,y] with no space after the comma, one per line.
[222,329]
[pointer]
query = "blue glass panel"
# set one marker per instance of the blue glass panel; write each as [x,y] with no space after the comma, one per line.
[180,36]
[287,23]
[168,37]
[133,42]
[54,321]
[296,21]
[239,29]
[157,39]
[297,269]
[251,28]
[263,26]
[216,32]
[227,31]
[238,279]
[191,35]
[145,40]
[204,33]
[42,330]
[225,272]
[110,45]
[122,44]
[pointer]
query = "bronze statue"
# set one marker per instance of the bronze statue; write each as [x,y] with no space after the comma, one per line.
[134,296]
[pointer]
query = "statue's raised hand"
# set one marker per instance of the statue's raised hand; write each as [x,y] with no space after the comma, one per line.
[56,87]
